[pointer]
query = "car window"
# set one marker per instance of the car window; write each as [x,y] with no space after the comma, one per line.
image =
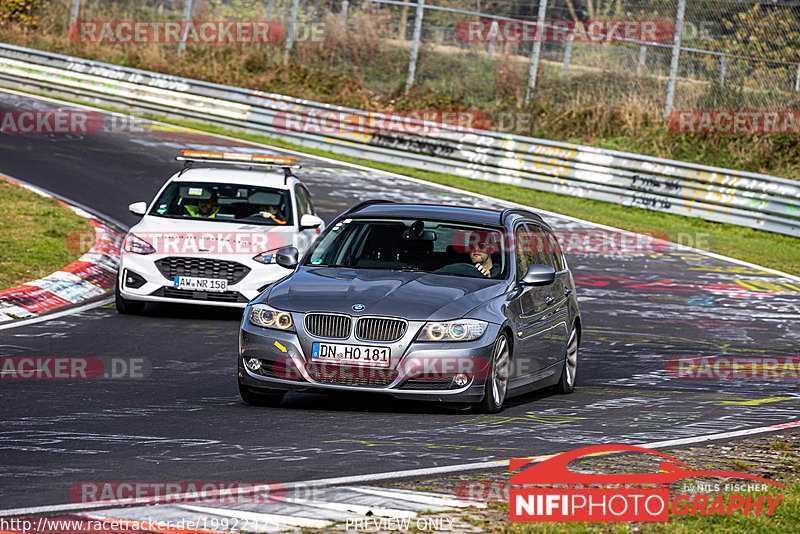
[525,248]
[554,250]
[303,201]
[224,203]
[440,247]
[541,246]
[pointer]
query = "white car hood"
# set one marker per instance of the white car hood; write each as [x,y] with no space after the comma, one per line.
[203,237]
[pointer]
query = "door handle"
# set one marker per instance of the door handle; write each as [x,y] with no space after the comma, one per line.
[549,301]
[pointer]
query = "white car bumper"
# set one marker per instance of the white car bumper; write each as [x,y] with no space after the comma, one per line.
[153,284]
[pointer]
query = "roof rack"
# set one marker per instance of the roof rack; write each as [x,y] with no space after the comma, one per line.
[366,203]
[188,157]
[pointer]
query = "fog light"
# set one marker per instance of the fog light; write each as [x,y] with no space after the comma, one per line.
[460,380]
[254,364]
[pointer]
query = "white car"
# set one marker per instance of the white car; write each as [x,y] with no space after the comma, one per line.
[210,236]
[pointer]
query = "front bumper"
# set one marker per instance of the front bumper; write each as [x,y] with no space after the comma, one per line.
[159,288]
[418,370]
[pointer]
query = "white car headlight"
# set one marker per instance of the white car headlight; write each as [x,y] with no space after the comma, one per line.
[459,330]
[267,317]
[265,257]
[137,245]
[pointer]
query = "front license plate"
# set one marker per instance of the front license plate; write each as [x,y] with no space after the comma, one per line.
[351,354]
[201,284]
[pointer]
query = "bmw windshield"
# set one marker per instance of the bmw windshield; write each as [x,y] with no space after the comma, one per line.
[412,245]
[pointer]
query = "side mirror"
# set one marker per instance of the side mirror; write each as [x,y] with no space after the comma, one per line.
[539,275]
[286,257]
[138,208]
[309,222]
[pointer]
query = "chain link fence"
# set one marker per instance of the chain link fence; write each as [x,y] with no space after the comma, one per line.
[704,54]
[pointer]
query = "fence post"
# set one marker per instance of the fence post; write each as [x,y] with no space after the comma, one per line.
[642,55]
[537,50]
[676,52]
[412,64]
[76,8]
[290,33]
[187,14]
[343,14]
[723,67]
[269,9]
[797,80]
[568,52]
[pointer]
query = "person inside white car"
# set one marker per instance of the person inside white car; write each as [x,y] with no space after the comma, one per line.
[205,207]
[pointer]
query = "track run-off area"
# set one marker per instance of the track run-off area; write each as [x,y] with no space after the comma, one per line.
[185,422]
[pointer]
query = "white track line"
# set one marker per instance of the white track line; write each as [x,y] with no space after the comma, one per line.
[411,497]
[410,473]
[359,509]
[55,315]
[257,517]
[409,178]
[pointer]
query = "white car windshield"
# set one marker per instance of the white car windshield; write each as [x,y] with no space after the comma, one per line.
[225,203]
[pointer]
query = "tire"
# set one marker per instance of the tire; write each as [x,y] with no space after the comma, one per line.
[497,381]
[272,397]
[566,384]
[127,307]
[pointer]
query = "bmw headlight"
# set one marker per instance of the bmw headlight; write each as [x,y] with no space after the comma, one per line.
[460,330]
[267,317]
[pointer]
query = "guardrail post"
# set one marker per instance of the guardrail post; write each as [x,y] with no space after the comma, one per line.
[723,68]
[537,50]
[642,56]
[412,64]
[567,52]
[269,9]
[343,14]
[290,33]
[187,14]
[676,52]
[797,80]
[76,8]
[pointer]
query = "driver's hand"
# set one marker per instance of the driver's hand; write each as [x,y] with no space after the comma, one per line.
[484,271]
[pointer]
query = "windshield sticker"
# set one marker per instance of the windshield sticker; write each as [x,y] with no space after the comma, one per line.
[196,191]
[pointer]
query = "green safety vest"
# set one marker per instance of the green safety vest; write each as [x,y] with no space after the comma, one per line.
[194,211]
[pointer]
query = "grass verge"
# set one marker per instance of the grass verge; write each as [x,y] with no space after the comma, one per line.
[33,235]
[775,458]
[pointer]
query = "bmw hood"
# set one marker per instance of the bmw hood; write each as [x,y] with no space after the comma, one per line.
[413,295]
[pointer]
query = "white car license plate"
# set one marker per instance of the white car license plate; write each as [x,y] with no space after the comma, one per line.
[201,284]
[351,354]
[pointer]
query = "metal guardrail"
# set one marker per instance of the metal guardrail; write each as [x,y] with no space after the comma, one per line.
[745,199]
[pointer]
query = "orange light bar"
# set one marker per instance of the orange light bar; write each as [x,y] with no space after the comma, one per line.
[234,156]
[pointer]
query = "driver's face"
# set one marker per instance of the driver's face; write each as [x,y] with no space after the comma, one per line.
[206,205]
[477,256]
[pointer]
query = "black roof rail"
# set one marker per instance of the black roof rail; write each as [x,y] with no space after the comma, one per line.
[508,212]
[366,203]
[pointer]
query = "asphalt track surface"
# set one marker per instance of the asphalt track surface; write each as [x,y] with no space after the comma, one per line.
[185,421]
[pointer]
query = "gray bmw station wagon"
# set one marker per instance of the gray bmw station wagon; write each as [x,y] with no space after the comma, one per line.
[458,305]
